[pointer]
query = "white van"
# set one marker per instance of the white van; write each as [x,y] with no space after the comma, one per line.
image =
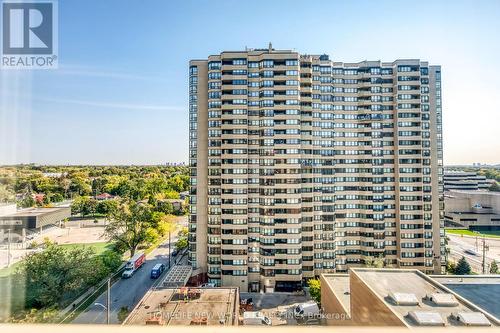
[306,310]
[255,318]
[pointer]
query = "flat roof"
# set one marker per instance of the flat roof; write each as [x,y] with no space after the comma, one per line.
[474,192]
[36,211]
[339,284]
[170,306]
[478,289]
[386,281]
[178,276]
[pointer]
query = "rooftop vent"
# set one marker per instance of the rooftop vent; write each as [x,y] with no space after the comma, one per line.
[404,299]
[473,319]
[426,318]
[442,299]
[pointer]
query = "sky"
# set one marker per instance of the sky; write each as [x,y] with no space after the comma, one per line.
[120,94]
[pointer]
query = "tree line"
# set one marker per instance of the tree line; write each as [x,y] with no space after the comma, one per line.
[57,183]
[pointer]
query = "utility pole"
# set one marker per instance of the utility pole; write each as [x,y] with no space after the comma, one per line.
[169,250]
[485,248]
[108,301]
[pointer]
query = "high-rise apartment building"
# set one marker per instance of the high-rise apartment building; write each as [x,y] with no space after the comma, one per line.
[302,165]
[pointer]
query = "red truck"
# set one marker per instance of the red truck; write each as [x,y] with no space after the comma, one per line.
[133,264]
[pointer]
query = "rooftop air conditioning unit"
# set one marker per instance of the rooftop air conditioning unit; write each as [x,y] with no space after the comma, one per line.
[423,318]
[403,298]
[442,299]
[473,319]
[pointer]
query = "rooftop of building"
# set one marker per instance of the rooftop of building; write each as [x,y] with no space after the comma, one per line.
[478,289]
[476,192]
[187,306]
[35,211]
[391,284]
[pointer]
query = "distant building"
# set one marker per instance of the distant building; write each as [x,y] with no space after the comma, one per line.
[178,204]
[474,210]
[104,196]
[25,221]
[187,306]
[462,180]
[396,297]
[55,174]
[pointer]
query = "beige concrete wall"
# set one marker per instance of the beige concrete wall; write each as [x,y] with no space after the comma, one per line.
[334,311]
[367,308]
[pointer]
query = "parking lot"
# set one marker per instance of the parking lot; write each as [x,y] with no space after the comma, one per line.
[277,306]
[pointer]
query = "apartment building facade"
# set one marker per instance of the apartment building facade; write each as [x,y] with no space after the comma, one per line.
[301,165]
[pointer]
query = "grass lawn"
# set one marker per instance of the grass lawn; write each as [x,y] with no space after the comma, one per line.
[98,248]
[466,232]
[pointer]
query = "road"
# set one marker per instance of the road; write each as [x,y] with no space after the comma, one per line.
[459,244]
[127,292]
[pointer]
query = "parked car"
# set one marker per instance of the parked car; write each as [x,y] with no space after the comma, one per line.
[157,271]
[175,252]
[208,285]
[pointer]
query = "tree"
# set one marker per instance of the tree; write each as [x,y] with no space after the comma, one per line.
[106,207]
[463,267]
[152,236]
[494,268]
[164,223]
[181,243]
[495,187]
[129,224]
[56,273]
[5,194]
[65,184]
[378,262]
[315,289]
[123,314]
[451,267]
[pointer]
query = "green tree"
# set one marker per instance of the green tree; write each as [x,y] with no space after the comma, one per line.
[56,273]
[129,224]
[463,267]
[165,224]
[31,316]
[495,187]
[123,314]
[152,236]
[6,195]
[315,289]
[181,243]
[371,262]
[27,202]
[106,207]
[451,267]
[494,267]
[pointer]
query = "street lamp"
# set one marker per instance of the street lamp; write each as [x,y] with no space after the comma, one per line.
[108,302]
[101,305]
